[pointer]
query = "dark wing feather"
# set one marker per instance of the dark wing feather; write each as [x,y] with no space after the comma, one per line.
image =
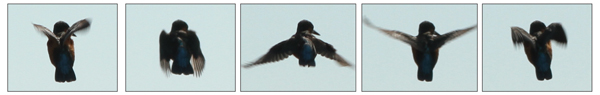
[79,25]
[278,52]
[558,33]
[519,35]
[409,39]
[443,39]
[328,51]
[166,50]
[197,57]
[46,32]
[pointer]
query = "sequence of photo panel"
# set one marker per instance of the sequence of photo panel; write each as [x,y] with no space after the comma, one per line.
[300,47]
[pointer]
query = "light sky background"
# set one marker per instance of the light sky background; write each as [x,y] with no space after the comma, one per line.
[388,63]
[263,26]
[214,25]
[505,66]
[95,64]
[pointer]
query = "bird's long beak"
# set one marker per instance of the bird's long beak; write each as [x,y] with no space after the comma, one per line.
[315,32]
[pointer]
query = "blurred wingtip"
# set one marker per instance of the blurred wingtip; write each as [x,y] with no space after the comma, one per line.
[562,44]
[247,66]
[517,45]
[89,19]
[366,21]
[474,26]
[351,67]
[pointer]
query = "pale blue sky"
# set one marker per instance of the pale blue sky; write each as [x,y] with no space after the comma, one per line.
[505,66]
[388,63]
[29,67]
[214,25]
[263,26]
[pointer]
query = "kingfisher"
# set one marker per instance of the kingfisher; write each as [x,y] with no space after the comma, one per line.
[183,47]
[304,46]
[60,48]
[425,46]
[537,45]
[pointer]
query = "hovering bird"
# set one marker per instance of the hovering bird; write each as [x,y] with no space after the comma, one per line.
[182,46]
[537,45]
[425,46]
[304,46]
[60,48]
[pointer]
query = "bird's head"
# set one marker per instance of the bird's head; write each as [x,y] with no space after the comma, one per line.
[60,28]
[425,27]
[179,25]
[536,27]
[306,27]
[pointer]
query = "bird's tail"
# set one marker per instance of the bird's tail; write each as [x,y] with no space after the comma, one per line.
[425,74]
[543,73]
[309,63]
[182,68]
[68,76]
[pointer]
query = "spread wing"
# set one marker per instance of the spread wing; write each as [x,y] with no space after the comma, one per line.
[197,57]
[46,32]
[278,52]
[79,25]
[442,39]
[328,51]
[409,39]
[558,33]
[166,50]
[519,35]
